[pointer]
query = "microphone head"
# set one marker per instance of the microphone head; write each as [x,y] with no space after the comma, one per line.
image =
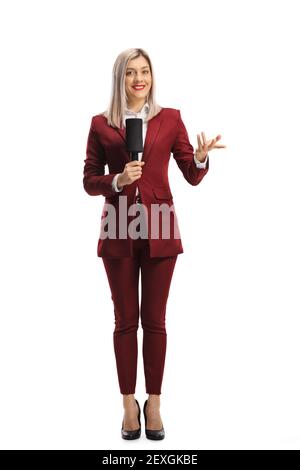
[134,134]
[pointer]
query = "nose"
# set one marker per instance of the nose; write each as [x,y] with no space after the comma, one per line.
[138,80]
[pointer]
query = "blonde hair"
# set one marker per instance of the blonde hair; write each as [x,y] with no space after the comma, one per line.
[118,100]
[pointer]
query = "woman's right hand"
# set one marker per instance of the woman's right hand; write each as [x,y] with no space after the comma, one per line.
[132,171]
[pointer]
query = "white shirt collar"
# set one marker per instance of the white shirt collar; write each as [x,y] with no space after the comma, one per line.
[143,111]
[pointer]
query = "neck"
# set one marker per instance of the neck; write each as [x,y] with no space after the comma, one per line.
[136,106]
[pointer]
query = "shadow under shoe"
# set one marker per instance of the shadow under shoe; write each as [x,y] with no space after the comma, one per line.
[136,433]
[150,433]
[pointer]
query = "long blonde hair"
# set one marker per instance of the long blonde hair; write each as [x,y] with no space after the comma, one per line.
[118,100]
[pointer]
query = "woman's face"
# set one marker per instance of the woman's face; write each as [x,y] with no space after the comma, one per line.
[137,73]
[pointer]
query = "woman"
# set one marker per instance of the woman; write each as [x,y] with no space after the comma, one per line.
[147,250]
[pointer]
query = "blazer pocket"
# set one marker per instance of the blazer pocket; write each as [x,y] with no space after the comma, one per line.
[162,193]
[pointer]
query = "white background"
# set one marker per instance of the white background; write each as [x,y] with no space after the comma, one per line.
[232,367]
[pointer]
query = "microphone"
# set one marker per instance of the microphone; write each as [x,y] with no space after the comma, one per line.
[134,136]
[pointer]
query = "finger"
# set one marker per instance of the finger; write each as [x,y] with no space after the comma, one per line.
[213,141]
[199,142]
[204,140]
[134,175]
[217,138]
[136,162]
[135,169]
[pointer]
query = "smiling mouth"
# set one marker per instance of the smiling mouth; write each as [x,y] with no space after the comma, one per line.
[138,87]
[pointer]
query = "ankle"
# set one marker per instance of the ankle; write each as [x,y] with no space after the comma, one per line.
[153,400]
[129,400]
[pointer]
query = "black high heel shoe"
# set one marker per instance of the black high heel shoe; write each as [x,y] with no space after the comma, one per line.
[136,433]
[150,433]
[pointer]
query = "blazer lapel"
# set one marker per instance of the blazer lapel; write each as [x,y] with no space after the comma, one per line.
[151,135]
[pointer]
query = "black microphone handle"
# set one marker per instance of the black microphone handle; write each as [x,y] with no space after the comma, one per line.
[134,156]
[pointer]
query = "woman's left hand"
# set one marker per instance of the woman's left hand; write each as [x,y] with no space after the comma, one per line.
[204,147]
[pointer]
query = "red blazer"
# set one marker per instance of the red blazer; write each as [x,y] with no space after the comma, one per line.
[166,133]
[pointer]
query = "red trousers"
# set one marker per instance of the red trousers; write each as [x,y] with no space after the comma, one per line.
[123,276]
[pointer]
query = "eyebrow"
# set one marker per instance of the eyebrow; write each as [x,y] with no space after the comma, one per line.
[145,67]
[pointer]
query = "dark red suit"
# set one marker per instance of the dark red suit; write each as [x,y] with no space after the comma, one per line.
[126,259]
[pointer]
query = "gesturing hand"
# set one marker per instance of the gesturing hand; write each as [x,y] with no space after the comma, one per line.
[204,147]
